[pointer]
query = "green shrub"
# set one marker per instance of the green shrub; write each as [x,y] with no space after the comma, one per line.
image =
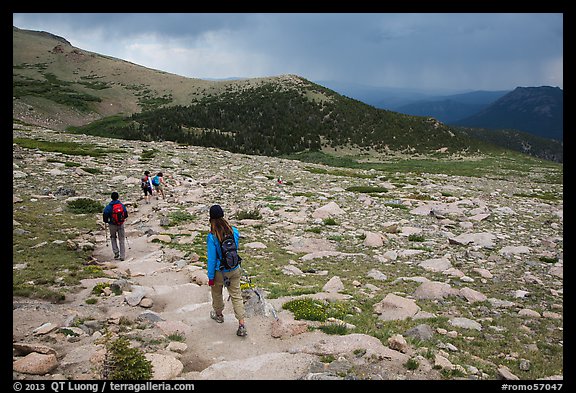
[125,363]
[148,154]
[548,260]
[334,328]
[93,171]
[71,148]
[179,217]
[337,309]
[366,189]
[306,308]
[93,269]
[99,288]
[396,205]
[85,206]
[177,337]
[316,310]
[416,238]
[419,196]
[68,332]
[548,196]
[412,364]
[329,221]
[451,374]
[306,194]
[249,214]
[272,198]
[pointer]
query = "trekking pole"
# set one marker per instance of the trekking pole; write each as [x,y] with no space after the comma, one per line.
[246,275]
[250,286]
[127,242]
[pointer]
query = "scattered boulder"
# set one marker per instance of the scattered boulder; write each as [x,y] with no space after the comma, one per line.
[36,363]
[394,307]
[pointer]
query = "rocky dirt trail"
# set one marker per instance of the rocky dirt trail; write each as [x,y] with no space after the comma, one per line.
[184,308]
[162,293]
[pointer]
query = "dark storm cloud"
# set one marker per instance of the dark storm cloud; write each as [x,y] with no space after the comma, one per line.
[454,51]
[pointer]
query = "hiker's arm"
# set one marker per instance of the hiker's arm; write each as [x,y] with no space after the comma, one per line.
[210,257]
[105,214]
[236,237]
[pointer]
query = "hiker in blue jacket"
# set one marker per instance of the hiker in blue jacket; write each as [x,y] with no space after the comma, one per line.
[159,183]
[218,277]
[114,215]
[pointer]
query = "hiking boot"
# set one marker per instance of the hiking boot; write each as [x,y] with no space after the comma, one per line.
[216,317]
[241,331]
[116,256]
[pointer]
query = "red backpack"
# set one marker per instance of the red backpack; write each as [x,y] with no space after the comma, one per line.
[118,214]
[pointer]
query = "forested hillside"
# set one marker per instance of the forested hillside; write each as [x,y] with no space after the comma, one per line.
[524,142]
[275,119]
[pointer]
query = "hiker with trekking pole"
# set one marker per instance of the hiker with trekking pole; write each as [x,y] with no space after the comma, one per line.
[115,215]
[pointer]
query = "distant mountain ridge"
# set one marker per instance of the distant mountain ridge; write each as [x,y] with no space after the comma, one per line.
[536,110]
[449,109]
[389,98]
[533,110]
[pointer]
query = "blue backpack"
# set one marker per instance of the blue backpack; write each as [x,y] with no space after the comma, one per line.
[156,181]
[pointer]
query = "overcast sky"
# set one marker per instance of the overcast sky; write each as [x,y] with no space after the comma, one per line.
[425,51]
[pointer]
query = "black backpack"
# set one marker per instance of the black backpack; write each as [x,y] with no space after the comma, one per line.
[230,258]
[144,183]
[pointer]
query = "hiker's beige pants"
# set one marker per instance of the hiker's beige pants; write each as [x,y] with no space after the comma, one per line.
[233,290]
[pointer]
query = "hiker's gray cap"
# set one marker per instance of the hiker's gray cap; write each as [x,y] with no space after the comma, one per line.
[216,212]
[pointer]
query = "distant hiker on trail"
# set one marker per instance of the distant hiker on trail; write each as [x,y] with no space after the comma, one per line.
[218,273]
[280,181]
[146,184]
[158,183]
[114,215]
